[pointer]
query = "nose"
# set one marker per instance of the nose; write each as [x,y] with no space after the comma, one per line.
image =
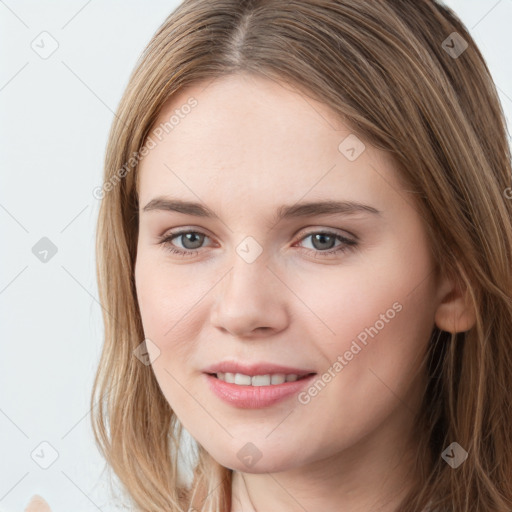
[251,301]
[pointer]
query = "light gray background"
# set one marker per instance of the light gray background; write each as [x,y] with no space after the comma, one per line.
[56,113]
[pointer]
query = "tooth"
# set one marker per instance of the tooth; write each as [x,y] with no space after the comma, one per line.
[278,378]
[242,379]
[256,380]
[261,380]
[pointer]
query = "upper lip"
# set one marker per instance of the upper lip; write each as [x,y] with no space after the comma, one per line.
[263,368]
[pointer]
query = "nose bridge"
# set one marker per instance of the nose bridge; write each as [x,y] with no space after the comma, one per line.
[247,282]
[249,297]
[249,267]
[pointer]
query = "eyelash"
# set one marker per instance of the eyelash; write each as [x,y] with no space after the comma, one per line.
[347,244]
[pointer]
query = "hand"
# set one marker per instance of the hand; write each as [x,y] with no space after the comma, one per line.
[37,504]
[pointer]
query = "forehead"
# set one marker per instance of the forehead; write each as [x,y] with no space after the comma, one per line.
[249,136]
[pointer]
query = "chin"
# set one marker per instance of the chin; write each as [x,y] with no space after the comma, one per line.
[249,460]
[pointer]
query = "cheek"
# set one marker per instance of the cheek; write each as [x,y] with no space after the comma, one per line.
[168,299]
[370,309]
[383,324]
[376,314]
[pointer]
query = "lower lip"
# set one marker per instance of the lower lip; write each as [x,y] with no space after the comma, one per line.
[255,397]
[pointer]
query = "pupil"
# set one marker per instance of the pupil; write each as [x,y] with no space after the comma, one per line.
[187,237]
[322,237]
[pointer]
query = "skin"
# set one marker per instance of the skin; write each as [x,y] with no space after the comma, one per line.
[249,146]
[37,504]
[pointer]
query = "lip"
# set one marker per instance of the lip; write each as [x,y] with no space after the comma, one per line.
[255,397]
[255,369]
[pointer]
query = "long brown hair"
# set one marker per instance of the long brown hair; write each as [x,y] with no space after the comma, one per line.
[395,72]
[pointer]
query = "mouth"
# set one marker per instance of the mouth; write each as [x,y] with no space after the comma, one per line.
[256,391]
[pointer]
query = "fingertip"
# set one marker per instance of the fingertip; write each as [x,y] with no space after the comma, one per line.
[37,504]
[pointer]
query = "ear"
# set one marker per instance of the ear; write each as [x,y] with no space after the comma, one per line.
[454,313]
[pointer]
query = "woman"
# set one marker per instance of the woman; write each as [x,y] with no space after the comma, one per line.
[370,373]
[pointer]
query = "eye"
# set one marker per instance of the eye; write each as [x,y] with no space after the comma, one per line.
[191,240]
[321,240]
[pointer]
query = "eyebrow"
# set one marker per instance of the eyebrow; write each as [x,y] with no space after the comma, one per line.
[304,209]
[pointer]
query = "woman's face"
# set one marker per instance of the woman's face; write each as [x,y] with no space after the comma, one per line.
[348,294]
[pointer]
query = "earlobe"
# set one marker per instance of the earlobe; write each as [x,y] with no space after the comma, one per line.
[455,313]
